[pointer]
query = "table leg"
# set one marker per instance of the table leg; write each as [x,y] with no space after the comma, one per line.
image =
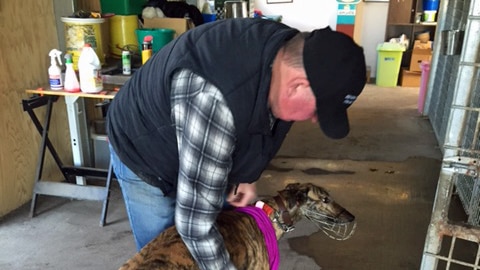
[81,155]
[41,152]
[77,121]
[110,174]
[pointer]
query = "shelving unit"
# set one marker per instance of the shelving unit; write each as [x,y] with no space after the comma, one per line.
[403,19]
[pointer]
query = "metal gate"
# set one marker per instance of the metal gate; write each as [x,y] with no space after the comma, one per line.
[454,111]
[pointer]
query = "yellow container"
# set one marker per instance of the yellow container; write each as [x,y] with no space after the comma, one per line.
[122,34]
[388,63]
[79,31]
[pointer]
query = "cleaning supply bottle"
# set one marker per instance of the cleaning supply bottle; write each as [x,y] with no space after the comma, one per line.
[89,69]
[146,48]
[71,83]
[54,71]
[126,63]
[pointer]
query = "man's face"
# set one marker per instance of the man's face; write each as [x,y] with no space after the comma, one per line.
[292,100]
[297,106]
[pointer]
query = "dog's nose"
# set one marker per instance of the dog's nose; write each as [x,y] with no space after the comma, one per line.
[345,216]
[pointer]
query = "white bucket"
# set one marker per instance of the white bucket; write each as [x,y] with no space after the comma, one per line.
[79,31]
[429,15]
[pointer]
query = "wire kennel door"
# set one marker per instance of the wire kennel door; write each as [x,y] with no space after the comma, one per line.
[447,239]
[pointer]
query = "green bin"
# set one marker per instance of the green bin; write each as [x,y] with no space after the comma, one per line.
[388,65]
[161,36]
[122,7]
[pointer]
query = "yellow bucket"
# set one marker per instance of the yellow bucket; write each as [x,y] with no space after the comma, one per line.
[122,34]
[79,31]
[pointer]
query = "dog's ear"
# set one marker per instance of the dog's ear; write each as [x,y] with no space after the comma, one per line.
[292,186]
[302,195]
[292,190]
[297,195]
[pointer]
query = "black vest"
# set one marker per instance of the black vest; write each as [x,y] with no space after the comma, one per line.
[236,56]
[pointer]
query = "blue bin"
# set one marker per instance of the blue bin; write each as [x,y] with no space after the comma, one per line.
[431,5]
[209,17]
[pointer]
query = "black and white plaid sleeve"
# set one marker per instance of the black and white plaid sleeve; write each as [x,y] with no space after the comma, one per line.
[206,134]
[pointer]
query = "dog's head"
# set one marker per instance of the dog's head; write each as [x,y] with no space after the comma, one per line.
[315,203]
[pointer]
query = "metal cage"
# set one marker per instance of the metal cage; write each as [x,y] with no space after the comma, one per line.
[453,108]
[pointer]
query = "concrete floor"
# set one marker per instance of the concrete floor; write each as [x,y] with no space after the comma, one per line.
[385,173]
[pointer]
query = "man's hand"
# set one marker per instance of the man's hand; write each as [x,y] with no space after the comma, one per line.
[245,195]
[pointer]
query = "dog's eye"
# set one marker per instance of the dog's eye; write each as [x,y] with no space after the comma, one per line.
[326,200]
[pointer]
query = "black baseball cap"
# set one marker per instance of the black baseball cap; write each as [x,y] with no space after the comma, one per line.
[336,70]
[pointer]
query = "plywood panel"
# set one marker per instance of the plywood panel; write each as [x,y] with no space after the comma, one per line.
[27,34]
[91,5]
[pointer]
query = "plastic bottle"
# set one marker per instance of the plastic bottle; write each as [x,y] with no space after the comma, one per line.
[89,69]
[126,63]
[71,81]
[54,71]
[146,48]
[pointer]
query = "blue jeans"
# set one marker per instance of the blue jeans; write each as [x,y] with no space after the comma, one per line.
[149,211]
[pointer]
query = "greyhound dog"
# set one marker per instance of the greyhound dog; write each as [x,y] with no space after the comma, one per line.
[244,240]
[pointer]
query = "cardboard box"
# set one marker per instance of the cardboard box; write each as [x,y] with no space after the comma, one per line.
[418,45]
[410,78]
[421,51]
[180,25]
[417,58]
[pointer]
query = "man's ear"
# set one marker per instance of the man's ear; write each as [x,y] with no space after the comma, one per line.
[291,89]
[297,85]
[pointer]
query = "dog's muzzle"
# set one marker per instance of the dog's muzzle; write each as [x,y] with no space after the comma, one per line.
[340,227]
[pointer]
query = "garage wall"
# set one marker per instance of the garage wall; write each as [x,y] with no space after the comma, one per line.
[27,34]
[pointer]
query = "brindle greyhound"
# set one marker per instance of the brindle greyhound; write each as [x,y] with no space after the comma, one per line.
[244,240]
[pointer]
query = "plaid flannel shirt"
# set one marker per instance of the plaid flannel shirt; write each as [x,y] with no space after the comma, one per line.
[206,139]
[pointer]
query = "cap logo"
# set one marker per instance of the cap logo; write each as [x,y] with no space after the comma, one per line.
[349,99]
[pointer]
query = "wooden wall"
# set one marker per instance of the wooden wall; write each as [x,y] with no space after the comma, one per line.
[92,5]
[27,34]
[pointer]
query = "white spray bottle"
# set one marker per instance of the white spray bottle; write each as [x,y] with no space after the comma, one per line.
[71,82]
[54,71]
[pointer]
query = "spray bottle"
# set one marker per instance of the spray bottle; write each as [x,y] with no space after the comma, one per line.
[146,48]
[71,81]
[54,71]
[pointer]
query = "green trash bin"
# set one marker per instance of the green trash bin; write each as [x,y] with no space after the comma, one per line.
[161,36]
[388,65]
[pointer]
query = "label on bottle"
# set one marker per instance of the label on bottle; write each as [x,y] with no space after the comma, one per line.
[97,78]
[126,64]
[56,82]
[91,80]
[146,54]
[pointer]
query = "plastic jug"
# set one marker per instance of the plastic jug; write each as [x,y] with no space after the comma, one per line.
[89,69]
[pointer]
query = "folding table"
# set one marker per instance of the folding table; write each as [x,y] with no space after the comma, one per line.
[80,170]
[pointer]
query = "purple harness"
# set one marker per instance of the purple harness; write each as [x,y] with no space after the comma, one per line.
[266,227]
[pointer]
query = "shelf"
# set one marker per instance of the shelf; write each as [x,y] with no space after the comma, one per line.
[400,24]
[413,24]
[404,18]
[427,23]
